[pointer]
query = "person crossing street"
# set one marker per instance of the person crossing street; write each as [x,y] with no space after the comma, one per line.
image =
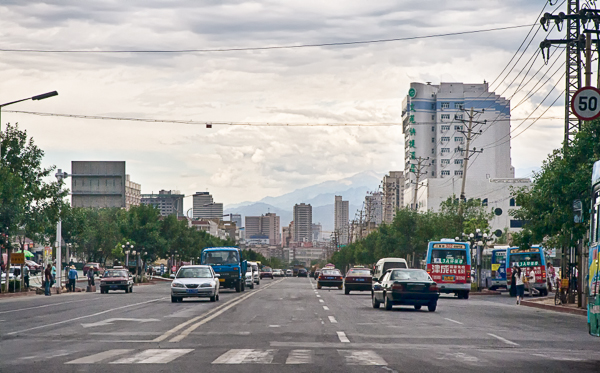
[48,279]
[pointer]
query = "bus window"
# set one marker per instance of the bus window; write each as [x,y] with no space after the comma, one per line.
[440,256]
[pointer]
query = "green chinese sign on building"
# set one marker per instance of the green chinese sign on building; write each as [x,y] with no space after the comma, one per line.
[412,93]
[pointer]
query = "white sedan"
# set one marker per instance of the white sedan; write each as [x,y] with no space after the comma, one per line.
[195,281]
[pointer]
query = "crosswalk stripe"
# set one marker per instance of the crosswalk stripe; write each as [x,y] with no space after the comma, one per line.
[99,357]
[300,357]
[366,357]
[154,356]
[246,356]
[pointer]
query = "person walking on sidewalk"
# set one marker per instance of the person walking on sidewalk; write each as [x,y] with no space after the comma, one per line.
[519,280]
[26,276]
[551,276]
[531,282]
[47,279]
[73,276]
[90,276]
[53,272]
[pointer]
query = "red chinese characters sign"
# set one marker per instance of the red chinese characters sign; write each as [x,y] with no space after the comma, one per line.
[449,272]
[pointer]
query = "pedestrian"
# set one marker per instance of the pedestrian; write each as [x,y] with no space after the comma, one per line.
[513,285]
[53,271]
[531,283]
[520,281]
[90,276]
[48,279]
[73,276]
[26,276]
[551,276]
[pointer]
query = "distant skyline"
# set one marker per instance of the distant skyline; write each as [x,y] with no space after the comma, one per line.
[362,83]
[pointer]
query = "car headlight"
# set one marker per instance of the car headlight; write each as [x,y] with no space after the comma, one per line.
[177,285]
[207,285]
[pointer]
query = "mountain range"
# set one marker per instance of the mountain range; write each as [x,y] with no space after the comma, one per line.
[320,196]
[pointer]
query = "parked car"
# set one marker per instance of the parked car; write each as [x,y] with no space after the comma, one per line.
[317,273]
[358,278]
[330,277]
[255,273]
[34,268]
[98,270]
[116,279]
[302,272]
[11,275]
[289,273]
[196,281]
[249,278]
[405,287]
[278,273]
[266,272]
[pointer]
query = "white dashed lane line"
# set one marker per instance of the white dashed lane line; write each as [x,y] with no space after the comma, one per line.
[321,300]
[342,337]
[332,320]
[324,307]
[504,340]
[454,321]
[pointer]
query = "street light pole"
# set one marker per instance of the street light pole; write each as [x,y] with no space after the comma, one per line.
[35,98]
[59,176]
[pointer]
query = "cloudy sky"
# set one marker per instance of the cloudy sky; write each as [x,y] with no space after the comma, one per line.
[319,85]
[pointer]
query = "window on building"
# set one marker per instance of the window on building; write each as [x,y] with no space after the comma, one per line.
[446,173]
[445,116]
[432,173]
[432,151]
[516,223]
[432,128]
[432,106]
[445,139]
[458,161]
[433,117]
[459,139]
[512,202]
[433,161]
[458,128]
[445,161]
[458,105]
[457,150]
[445,150]
[457,173]
[433,139]
[445,128]
[458,116]
[484,202]
[445,105]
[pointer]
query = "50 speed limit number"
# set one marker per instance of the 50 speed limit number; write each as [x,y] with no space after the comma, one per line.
[586,103]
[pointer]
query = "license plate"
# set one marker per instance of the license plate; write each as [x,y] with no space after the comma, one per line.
[193,291]
[448,278]
[221,280]
[360,279]
[329,278]
[113,286]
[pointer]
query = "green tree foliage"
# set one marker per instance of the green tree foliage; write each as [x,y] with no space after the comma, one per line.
[547,205]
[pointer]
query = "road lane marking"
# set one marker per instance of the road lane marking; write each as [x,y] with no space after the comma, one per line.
[318,296]
[342,337]
[300,357]
[154,356]
[84,317]
[504,340]
[274,326]
[366,357]
[326,308]
[212,315]
[332,320]
[110,321]
[454,321]
[321,300]
[99,357]
[246,356]
[51,305]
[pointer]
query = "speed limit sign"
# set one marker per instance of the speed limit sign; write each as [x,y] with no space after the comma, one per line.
[586,103]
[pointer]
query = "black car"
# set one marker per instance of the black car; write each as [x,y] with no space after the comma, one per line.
[405,287]
[302,272]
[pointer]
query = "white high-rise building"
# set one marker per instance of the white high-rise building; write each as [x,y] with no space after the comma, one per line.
[435,118]
[341,216]
[205,208]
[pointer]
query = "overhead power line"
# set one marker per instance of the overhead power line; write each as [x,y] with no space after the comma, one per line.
[207,50]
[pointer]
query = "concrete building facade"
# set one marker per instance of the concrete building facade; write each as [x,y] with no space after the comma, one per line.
[374,208]
[102,184]
[168,202]
[260,227]
[205,208]
[393,194]
[341,219]
[303,223]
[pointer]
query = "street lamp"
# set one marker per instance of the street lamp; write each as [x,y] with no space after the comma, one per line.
[34,98]
[127,248]
[60,175]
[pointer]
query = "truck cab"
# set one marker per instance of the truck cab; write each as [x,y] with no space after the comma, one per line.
[229,264]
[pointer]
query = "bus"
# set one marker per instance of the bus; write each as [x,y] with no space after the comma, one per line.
[498,278]
[528,259]
[449,265]
[593,281]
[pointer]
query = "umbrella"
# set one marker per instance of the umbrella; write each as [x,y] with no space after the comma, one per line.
[28,254]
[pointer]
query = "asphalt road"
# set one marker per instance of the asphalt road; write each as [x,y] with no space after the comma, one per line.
[285,322]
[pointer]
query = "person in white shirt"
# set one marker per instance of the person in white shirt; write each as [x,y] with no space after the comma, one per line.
[519,277]
[531,281]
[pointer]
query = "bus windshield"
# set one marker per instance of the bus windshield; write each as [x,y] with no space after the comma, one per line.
[525,259]
[440,256]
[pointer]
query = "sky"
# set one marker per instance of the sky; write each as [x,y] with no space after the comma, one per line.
[358,84]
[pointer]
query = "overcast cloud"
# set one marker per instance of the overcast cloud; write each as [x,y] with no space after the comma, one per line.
[341,84]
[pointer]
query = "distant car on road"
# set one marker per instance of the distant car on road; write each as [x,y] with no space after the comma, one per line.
[358,278]
[317,273]
[330,277]
[255,273]
[98,270]
[289,273]
[302,272]
[405,287]
[249,278]
[278,273]
[266,272]
[116,279]
[34,268]
[196,281]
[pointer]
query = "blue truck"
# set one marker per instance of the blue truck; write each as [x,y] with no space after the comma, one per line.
[229,264]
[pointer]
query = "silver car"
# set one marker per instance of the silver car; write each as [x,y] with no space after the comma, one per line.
[197,281]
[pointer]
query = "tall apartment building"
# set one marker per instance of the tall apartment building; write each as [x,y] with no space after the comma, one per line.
[205,208]
[265,226]
[435,118]
[393,194]
[317,232]
[341,216]
[374,208]
[168,202]
[303,223]
[102,184]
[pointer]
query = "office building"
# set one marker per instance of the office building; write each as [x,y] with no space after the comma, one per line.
[374,208]
[205,208]
[341,219]
[265,227]
[303,223]
[393,194]
[168,202]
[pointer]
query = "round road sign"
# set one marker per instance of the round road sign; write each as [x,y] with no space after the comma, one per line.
[586,103]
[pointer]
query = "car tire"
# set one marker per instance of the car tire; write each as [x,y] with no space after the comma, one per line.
[466,295]
[346,291]
[341,287]
[213,298]
[252,286]
[173,299]
[374,301]
[431,307]
[126,290]
[417,307]
[386,302]
[318,285]
[131,289]
[217,297]
[459,295]
[238,287]
[243,286]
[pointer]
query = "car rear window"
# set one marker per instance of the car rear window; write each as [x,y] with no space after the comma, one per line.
[115,274]
[410,275]
[359,272]
[334,272]
[390,265]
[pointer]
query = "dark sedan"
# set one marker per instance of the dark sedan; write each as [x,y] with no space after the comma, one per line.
[330,277]
[302,272]
[405,287]
[358,279]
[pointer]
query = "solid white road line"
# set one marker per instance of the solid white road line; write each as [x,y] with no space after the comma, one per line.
[84,317]
[326,308]
[454,321]
[366,357]
[99,357]
[51,305]
[300,357]
[154,356]
[504,340]
[246,356]
[332,320]
[342,337]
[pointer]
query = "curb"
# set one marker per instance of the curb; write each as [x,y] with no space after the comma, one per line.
[485,293]
[573,311]
[19,294]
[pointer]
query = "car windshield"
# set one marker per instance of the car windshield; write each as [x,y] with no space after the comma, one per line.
[359,272]
[220,257]
[194,273]
[334,272]
[113,273]
[390,265]
[410,276]
[266,270]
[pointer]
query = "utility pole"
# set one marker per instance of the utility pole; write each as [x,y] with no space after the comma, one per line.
[470,135]
[418,171]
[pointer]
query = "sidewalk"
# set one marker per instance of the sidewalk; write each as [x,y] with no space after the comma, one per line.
[547,303]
